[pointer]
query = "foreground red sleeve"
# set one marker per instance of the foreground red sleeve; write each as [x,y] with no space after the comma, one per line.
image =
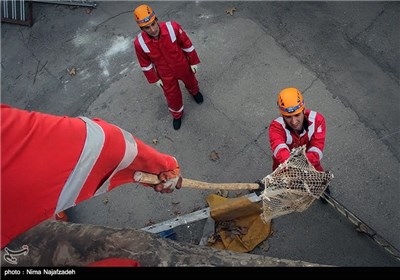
[38,153]
[148,160]
[115,262]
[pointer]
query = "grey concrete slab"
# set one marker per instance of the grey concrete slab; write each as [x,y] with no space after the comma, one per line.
[343,58]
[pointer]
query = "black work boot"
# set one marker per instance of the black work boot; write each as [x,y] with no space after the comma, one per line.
[198,98]
[177,123]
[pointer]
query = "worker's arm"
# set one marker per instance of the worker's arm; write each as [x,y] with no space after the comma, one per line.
[164,166]
[277,141]
[186,44]
[145,63]
[316,146]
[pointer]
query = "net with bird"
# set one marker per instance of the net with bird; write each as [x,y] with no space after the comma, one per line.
[293,186]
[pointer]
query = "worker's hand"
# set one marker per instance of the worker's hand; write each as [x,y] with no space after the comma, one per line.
[164,182]
[194,68]
[159,83]
[169,180]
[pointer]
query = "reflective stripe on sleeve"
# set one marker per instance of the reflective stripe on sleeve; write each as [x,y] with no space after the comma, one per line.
[131,152]
[171,31]
[143,44]
[147,68]
[318,151]
[289,138]
[280,146]
[91,150]
[311,128]
[188,49]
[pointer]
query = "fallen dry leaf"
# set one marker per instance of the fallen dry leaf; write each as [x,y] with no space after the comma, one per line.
[264,246]
[196,208]
[72,72]
[213,238]
[214,156]
[105,200]
[230,11]
[150,222]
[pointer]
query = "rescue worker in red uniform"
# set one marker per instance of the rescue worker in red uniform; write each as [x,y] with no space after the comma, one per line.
[50,163]
[296,127]
[166,55]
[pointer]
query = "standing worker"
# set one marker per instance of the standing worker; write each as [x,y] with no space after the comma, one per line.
[166,55]
[50,163]
[296,127]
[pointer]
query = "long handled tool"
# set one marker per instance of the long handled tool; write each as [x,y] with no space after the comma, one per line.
[233,208]
[152,179]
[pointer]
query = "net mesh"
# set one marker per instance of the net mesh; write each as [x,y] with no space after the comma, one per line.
[293,186]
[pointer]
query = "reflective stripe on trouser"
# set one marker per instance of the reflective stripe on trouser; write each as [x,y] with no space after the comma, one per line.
[93,146]
[173,93]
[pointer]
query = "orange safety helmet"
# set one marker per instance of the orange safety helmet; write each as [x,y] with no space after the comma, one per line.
[290,101]
[144,15]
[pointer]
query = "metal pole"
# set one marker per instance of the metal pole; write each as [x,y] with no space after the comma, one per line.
[361,226]
[14,16]
[5,6]
[23,10]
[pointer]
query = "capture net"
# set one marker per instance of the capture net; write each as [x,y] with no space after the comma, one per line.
[293,186]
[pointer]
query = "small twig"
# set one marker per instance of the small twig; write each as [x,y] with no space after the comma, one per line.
[95,29]
[43,66]
[37,68]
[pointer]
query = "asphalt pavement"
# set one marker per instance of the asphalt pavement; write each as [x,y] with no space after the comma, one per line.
[344,57]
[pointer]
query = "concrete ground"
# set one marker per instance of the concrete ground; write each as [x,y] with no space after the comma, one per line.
[344,57]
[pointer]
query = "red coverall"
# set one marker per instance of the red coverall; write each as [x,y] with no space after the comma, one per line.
[50,163]
[283,139]
[169,58]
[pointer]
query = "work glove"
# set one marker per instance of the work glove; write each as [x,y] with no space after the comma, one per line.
[159,83]
[261,188]
[194,68]
[169,180]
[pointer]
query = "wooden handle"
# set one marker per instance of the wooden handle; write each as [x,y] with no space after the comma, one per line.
[147,178]
[152,179]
